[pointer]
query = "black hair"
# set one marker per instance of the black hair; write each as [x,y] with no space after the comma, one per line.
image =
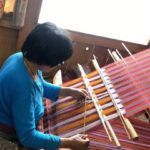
[47,44]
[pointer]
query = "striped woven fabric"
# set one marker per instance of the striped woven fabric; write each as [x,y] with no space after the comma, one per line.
[129,80]
[99,140]
[98,137]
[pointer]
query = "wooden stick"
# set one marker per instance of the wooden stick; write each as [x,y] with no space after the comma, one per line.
[110,53]
[97,67]
[102,117]
[137,63]
[58,78]
[127,125]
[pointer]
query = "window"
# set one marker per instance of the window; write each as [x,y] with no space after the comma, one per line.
[126,20]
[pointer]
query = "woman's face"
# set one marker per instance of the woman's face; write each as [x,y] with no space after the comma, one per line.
[44,68]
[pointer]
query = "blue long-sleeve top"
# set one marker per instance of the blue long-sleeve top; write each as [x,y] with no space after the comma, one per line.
[21,103]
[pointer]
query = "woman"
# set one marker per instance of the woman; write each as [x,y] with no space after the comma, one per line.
[22,88]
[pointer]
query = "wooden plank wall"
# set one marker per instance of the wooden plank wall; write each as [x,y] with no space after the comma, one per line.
[8,39]
[99,45]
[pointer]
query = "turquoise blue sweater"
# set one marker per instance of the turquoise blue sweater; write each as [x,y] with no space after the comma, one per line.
[21,103]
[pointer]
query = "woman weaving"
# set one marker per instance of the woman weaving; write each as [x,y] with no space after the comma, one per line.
[22,89]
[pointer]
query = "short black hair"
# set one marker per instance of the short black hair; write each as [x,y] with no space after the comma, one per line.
[47,44]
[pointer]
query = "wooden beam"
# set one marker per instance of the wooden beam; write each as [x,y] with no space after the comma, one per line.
[105,42]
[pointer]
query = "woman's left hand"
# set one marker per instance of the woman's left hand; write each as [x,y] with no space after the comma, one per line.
[79,94]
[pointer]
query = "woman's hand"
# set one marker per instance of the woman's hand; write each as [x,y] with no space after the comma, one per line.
[77,142]
[77,93]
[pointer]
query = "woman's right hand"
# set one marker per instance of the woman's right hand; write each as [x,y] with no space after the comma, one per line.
[77,142]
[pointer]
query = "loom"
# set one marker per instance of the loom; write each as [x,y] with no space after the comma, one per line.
[119,91]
